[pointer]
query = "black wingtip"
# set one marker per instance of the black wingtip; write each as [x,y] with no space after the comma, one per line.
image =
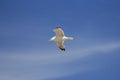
[63,49]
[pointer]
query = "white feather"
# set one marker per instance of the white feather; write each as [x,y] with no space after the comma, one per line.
[60,38]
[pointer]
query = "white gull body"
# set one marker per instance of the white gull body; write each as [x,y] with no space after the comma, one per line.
[60,38]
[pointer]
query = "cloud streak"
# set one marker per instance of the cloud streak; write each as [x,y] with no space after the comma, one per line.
[36,66]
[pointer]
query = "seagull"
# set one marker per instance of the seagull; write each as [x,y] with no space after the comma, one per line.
[60,38]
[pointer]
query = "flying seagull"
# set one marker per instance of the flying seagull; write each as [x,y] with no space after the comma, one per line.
[60,38]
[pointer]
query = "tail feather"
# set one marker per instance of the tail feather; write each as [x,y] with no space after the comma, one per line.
[63,49]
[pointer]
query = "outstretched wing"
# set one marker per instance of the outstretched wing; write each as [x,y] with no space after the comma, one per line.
[59,32]
[60,44]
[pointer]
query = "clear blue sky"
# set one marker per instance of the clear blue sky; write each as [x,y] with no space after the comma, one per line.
[26,26]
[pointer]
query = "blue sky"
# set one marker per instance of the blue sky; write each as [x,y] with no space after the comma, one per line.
[26,26]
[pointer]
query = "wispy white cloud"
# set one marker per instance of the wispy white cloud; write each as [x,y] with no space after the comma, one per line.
[36,66]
